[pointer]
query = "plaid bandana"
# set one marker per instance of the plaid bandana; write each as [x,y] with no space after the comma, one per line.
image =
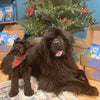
[18,60]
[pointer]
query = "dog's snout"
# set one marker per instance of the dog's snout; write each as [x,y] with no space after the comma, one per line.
[56,43]
[16,47]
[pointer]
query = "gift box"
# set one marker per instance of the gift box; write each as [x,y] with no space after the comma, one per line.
[91,65]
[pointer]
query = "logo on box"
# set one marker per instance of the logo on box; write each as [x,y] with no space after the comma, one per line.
[94,63]
[4,48]
[96,75]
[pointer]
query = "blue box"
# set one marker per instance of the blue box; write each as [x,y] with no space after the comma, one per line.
[14,12]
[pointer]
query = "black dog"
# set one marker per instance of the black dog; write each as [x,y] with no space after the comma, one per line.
[18,68]
[54,67]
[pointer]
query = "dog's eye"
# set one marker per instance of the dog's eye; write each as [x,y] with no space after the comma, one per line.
[15,42]
[50,40]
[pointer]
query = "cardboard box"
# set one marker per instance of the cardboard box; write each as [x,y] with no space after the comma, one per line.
[4,53]
[12,29]
[92,73]
[92,65]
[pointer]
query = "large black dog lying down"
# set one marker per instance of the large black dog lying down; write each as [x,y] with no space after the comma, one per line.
[21,69]
[54,67]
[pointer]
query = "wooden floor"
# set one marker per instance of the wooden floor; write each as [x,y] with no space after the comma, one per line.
[80,97]
[93,83]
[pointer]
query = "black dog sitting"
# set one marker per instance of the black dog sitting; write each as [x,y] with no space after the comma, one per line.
[14,64]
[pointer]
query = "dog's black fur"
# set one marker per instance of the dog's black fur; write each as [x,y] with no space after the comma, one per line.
[19,48]
[58,73]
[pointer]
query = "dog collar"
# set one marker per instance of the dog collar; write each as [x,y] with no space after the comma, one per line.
[18,60]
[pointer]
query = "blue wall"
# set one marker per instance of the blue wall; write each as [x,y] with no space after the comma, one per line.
[20,8]
[95,5]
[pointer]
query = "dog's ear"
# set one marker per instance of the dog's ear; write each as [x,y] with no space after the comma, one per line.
[43,45]
[16,40]
[27,44]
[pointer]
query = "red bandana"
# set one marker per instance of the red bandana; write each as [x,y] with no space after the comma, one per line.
[18,60]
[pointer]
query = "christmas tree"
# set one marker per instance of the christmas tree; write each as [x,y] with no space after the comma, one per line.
[71,15]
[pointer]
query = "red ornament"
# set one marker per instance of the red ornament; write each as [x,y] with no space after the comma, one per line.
[67,20]
[70,22]
[84,10]
[27,14]
[31,11]
[63,20]
[88,11]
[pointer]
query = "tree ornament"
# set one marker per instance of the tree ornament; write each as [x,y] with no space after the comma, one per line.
[82,23]
[84,10]
[53,24]
[88,11]
[62,11]
[64,20]
[67,20]
[70,22]
[30,12]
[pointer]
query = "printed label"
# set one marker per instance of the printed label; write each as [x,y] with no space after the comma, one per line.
[94,63]
[96,75]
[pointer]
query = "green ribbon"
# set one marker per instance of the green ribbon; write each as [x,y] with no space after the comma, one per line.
[15,58]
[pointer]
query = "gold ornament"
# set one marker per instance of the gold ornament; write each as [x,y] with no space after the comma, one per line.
[62,11]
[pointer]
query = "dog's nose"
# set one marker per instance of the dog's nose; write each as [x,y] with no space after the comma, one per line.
[56,43]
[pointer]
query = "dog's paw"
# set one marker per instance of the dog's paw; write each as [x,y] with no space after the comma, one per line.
[92,91]
[81,76]
[13,93]
[29,92]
